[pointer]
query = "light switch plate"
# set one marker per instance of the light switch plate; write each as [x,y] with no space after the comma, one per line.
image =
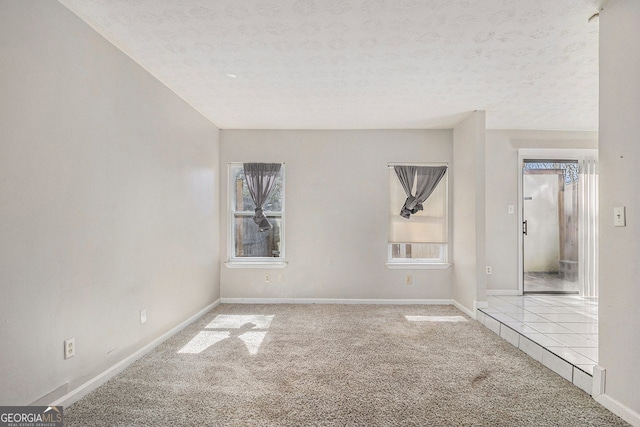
[510,209]
[619,217]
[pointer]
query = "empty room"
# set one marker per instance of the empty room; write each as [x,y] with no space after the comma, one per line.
[307,212]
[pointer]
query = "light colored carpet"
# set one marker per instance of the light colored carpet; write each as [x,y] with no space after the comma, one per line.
[360,365]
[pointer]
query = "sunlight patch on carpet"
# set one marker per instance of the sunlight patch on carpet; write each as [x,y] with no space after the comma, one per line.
[253,341]
[250,329]
[234,321]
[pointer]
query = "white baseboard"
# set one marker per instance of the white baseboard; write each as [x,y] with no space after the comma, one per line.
[503,292]
[459,306]
[463,309]
[335,301]
[95,382]
[599,381]
[621,410]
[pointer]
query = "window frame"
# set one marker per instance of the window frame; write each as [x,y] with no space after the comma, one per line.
[422,263]
[252,262]
[442,259]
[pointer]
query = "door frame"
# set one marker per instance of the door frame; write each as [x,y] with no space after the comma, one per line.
[542,154]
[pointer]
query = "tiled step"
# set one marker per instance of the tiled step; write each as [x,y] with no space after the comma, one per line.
[567,370]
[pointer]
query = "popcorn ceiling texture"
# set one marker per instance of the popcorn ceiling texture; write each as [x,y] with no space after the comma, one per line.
[372,64]
[339,365]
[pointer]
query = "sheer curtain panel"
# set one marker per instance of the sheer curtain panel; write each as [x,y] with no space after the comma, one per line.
[261,178]
[426,180]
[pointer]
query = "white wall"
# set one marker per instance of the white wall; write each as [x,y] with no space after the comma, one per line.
[469,210]
[337,212]
[619,159]
[108,204]
[502,171]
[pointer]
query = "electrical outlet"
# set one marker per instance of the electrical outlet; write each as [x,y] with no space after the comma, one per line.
[489,271]
[408,280]
[69,348]
[267,278]
[143,316]
[280,278]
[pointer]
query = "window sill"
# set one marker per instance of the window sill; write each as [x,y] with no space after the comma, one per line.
[255,264]
[418,265]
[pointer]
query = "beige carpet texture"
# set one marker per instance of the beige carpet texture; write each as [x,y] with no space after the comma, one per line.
[337,365]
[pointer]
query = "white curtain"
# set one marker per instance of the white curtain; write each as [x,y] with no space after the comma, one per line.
[588,226]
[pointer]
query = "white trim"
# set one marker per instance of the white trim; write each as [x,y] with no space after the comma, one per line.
[95,382]
[620,409]
[557,153]
[598,385]
[255,264]
[335,301]
[445,247]
[463,309]
[492,292]
[520,207]
[230,224]
[480,304]
[392,164]
[417,266]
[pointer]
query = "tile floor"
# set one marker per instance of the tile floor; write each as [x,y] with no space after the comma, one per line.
[564,325]
[549,282]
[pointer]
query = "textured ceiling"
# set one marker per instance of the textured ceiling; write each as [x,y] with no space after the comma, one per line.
[358,64]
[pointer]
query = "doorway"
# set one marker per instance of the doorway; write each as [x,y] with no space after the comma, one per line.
[558,216]
[550,226]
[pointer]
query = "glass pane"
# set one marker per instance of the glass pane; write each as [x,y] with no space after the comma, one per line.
[409,251]
[551,191]
[242,196]
[251,242]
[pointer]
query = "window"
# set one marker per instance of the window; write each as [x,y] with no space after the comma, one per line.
[247,243]
[421,239]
